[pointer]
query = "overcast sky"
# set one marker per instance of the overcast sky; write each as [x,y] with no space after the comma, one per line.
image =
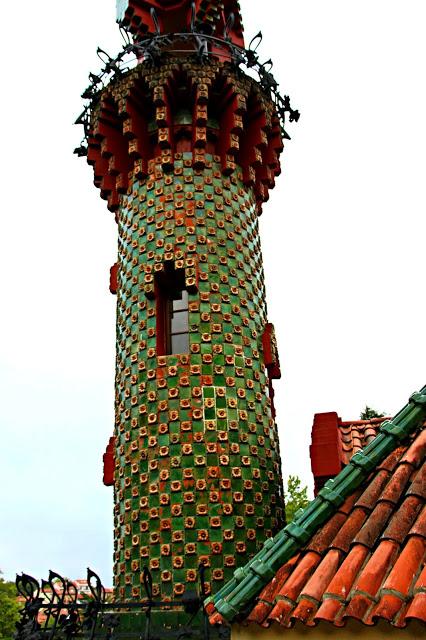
[343,241]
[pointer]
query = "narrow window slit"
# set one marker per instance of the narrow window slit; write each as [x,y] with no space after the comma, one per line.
[172,314]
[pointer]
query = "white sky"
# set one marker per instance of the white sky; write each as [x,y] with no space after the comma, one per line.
[343,240]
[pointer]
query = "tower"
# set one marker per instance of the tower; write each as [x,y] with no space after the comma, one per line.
[185,147]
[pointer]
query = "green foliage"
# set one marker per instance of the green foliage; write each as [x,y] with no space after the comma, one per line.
[296,497]
[369,414]
[9,608]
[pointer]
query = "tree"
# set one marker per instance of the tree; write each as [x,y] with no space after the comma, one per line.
[369,414]
[9,608]
[296,497]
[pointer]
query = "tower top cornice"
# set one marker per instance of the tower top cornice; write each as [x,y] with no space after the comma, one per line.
[206,33]
[218,18]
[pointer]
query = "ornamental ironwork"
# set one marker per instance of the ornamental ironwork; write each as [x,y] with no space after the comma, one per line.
[55,610]
[153,49]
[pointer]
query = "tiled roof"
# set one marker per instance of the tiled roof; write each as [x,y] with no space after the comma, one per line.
[356,435]
[335,442]
[366,560]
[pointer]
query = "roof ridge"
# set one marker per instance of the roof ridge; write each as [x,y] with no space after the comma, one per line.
[349,423]
[248,581]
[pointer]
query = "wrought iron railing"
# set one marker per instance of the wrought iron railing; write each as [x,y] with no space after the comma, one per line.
[55,610]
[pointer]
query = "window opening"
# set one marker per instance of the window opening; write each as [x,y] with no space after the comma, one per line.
[179,324]
[172,315]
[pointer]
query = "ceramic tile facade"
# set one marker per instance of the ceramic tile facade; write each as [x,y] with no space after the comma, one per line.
[197,462]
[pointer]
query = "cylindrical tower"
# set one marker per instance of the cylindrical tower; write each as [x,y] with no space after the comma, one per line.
[185,147]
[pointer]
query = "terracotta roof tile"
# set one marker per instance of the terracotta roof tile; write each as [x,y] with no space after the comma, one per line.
[341,584]
[419,483]
[417,609]
[397,484]
[419,527]
[318,583]
[376,569]
[374,490]
[281,612]
[304,612]
[389,607]
[335,442]
[404,519]
[375,524]
[302,572]
[216,618]
[359,607]
[406,568]
[267,596]
[392,460]
[356,435]
[368,562]
[331,611]
[260,613]
[421,582]
[349,503]
[347,533]
[326,534]
[417,451]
